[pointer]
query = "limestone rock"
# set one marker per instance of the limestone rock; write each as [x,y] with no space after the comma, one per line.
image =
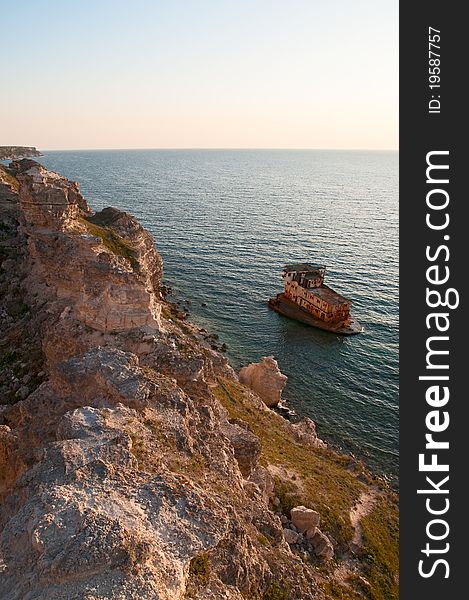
[310,533]
[13,152]
[304,518]
[123,473]
[322,545]
[246,446]
[263,479]
[10,463]
[305,432]
[265,379]
[47,200]
[109,270]
[291,537]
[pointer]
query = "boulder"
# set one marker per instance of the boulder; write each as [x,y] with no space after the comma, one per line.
[291,537]
[304,518]
[246,446]
[265,379]
[311,533]
[322,545]
[305,432]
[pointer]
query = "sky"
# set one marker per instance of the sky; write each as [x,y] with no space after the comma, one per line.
[199,74]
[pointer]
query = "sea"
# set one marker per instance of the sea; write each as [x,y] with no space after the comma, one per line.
[226,222]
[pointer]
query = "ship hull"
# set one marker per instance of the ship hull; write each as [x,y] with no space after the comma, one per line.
[287,308]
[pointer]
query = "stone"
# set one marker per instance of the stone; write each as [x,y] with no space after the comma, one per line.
[291,537]
[261,476]
[47,200]
[322,545]
[304,518]
[109,270]
[265,379]
[310,533]
[23,392]
[246,446]
[123,472]
[305,432]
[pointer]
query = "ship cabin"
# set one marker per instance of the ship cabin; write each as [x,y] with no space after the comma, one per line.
[304,285]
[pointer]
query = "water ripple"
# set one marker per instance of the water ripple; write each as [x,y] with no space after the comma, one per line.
[226,221]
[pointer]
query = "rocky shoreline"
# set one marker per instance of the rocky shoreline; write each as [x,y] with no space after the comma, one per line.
[17,152]
[134,462]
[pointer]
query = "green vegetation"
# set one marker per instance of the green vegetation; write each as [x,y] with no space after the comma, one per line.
[287,496]
[317,479]
[340,591]
[381,544]
[264,540]
[7,358]
[8,178]
[113,242]
[199,569]
[274,592]
[323,480]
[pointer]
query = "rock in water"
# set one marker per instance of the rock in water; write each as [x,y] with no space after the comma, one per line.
[133,463]
[265,379]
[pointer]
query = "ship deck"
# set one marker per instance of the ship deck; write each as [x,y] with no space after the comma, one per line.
[287,308]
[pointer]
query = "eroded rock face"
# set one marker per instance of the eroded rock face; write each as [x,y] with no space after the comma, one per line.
[246,446]
[265,379]
[47,200]
[103,266]
[104,505]
[121,474]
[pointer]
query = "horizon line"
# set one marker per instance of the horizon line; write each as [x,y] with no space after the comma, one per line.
[219,148]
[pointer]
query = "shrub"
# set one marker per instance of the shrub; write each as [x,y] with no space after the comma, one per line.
[113,242]
[199,568]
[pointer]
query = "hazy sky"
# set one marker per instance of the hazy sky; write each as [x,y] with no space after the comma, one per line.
[199,73]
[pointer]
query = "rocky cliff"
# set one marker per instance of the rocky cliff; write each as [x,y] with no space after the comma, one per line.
[133,462]
[14,152]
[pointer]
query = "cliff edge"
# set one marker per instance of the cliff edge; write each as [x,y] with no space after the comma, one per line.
[133,462]
[15,152]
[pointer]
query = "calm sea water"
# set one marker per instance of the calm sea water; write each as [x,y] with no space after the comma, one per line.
[226,222]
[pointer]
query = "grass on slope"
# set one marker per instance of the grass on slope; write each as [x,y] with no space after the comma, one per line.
[322,479]
[8,178]
[381,547]
[113,242]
